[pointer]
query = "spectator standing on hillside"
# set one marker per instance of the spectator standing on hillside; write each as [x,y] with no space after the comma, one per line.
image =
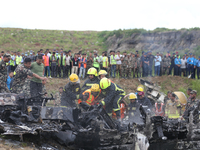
[67,68]
[190,62]
[194,70]
[61,65]
[172,64]
[113,62]
[166,65]
[101,60]
[124,60]
[157,64]
[105,62]
[70,55]
[75,62]
[198,67]
[151,59]
[46,65]
[53,61]
[119,63]
[177,69]
[96,62]
[9,79]
[18,59]
[12,62]
[183,66]
[36,84]
[83,64]
[89,61]
[138,66]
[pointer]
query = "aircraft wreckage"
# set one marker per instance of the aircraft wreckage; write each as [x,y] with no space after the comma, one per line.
[94,129]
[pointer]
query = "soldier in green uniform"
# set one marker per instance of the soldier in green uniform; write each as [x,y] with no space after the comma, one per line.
[133,65]
[166,65]
[129,66]
[138,66]
[124,64]
[3,73]
[191,104]
[22,73]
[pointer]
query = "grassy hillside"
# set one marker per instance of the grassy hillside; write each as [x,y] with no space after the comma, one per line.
[25,39]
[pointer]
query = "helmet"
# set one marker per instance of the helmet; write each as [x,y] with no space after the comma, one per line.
[95,88]
[159,101]
[92,71]
[140,89]
[73,77]
[102,72]
[132,96]
[105,83]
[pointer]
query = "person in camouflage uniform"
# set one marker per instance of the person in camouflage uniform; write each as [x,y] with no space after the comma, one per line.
[22,73]
[3,74]
[129,66]
[124,64]
[191,104]
[58,97]
[26,88]
[134,64]
[89,62]
[138,66]
[166,65]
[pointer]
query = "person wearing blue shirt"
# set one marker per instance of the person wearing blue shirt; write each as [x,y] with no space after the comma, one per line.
[190,62]
[177,63]
[83,62]
[194,69]
[157,60]
[9,79]
[198,67]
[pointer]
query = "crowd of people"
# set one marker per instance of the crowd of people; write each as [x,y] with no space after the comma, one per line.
[30,71]
[59,63]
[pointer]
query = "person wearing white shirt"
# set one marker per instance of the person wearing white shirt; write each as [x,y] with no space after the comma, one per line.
[157,64]
[119,63]
[68,59]
[183,65]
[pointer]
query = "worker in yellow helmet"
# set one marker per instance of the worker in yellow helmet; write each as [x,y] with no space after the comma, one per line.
[91,96]
[102,74]
[133,109]
[93,79]
[71,92]
[113,95]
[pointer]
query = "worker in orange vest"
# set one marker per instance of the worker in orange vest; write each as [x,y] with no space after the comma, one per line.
[123,110]
[159,109]
[91,96]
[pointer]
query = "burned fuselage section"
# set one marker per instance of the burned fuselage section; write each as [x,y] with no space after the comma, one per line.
[92,129]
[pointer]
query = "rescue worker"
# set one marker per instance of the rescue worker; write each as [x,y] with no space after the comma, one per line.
[22,72]
[134,109]
[92,72]
[71,91]
[168,97]
[172,110]
[139,89]
[191,105]
[91,96]
[3,73]
[159,109]
[144,101]
[102,74]
[113,95]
